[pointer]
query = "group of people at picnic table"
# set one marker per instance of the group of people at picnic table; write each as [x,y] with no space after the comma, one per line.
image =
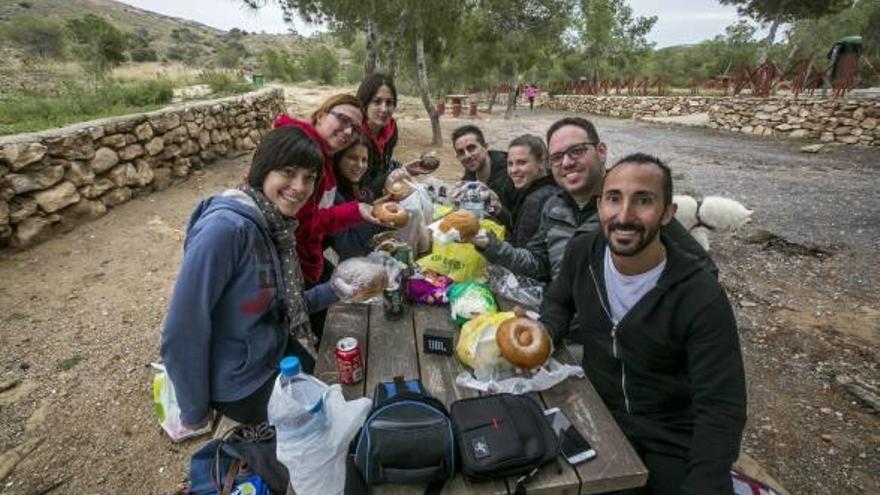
[625,279]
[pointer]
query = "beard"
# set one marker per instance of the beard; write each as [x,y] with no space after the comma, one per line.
[632,246]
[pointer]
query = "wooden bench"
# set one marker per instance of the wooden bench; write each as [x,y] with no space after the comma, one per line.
[394,348]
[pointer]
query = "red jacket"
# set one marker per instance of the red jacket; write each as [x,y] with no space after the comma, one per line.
[318,217]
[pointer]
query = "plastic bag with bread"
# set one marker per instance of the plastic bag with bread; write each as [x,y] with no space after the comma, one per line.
[359,279]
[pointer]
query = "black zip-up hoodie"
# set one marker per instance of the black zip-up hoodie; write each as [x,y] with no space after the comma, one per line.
[671,371]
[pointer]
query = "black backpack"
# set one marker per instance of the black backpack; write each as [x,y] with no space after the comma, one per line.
[502,435]
[407,438]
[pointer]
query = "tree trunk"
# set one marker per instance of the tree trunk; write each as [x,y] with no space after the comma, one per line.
[511,96]
[424,92]
[492,100]
[394,50]
[768,41]
[371,62]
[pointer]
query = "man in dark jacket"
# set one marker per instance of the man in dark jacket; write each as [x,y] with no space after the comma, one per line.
[481,164]
[659,336]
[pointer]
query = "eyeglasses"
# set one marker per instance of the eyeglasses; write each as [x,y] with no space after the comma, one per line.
[346,121]
[573,152]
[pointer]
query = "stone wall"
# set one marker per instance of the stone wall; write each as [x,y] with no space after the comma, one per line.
[52,180]
[843,121]
[627,106]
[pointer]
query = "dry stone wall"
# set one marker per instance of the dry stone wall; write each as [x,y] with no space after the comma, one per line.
[51,181]
[828,120]
[627,106]
[842,121]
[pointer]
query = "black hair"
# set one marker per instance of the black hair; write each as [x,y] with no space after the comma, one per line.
[646,159]
[348,189]
[468,129]
[371,85]
[583,123]
[535,145]
[286,146]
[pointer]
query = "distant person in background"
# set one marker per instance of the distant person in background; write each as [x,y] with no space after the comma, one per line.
[532,92]
[350,166]
[528,167]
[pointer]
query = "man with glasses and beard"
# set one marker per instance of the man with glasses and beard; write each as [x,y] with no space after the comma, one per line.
[659,336]
[577,161]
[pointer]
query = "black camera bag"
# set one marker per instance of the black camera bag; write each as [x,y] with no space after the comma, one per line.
[502,435]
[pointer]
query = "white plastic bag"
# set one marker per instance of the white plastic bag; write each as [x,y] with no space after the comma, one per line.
[167,409]
[522,290]
[421,211]
[316,462]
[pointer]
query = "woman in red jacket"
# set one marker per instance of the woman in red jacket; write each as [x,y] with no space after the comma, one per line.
[336,123]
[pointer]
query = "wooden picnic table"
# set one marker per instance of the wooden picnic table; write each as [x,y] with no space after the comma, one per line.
[394,348]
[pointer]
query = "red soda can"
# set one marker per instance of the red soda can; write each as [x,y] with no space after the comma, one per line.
[348,361]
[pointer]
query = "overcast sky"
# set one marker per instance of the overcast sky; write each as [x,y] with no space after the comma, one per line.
[679,21]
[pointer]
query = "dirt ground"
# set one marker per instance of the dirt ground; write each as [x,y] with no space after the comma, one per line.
[80,315]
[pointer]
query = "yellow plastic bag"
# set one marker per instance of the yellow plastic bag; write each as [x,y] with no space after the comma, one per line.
[472,338]
[458,261]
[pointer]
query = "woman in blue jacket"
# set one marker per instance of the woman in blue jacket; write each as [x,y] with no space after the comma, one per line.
[238,304]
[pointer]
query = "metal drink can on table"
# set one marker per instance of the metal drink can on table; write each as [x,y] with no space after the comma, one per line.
[393,303]
[348,361]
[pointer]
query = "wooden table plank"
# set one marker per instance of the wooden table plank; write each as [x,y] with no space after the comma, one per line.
[391,348]
[343,320]
[616,465]
[438,374]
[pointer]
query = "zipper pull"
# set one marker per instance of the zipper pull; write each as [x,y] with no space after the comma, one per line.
[522,480]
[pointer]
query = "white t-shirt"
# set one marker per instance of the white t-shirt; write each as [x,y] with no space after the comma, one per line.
[624,291]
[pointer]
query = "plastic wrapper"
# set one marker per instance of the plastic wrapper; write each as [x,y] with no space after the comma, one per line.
[467,300]
[524,291]
[499,381]
[167,409]
[428,289]
[359,279]
[316,462]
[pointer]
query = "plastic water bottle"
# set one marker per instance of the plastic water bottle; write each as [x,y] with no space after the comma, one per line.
[296,408]
[471,200]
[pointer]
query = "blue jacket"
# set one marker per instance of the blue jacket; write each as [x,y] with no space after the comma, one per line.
[223,335]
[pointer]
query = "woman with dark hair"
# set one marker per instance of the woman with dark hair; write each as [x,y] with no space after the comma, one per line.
[239,303]
[350,166]
[528,169]
[378,95]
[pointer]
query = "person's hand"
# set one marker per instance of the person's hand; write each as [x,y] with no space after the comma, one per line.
[481,240]
[491,198]
[366,211]
[398,174]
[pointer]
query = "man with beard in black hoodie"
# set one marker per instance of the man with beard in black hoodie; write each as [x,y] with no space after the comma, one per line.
[659,335]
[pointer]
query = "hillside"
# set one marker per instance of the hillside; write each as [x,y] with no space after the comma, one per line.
[158,27]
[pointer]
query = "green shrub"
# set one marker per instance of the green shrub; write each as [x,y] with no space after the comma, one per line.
[72,102]
[224,83]
[320,64]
